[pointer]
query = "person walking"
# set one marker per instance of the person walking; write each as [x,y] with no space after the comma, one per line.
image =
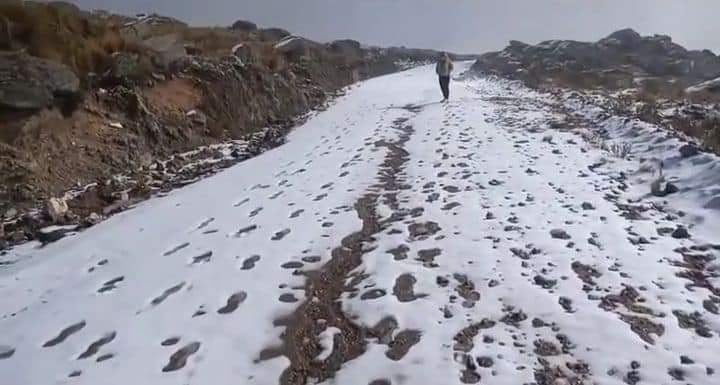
[443,69]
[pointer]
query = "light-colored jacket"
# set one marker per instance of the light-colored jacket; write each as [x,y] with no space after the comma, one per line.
[444,67]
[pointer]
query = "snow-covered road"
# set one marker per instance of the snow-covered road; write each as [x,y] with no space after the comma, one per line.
[392,240]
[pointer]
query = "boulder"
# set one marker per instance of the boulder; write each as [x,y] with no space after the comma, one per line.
[5,33]
[346,47]
[273,34]
[243,25]
[56,209]
[244,52]
[688,150]
[30,83]
[661,187]
[168,48]
[626,38]
[296,47]
[713,204]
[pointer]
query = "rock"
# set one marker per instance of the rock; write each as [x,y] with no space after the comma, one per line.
[688,150]
[685,360]
[244,53]
[10,213]
[346,47]
[5,33]
[198,118]
[56,209]
[273,34]
[168,48]
[485,361]
[626,38]
[559,234]
[30,83]
[123,69]
[680,233]
[93,219]
[713,203]
[297,47]
[670,188]
[587,206]
[244,25]
[661,188]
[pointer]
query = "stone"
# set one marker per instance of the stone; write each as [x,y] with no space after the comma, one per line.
[485,361]
[346,47]
[661,187]
[587,206]
[559,234]
[680,233]
[30,83]
[5,33]
[198,118]
[688,150]
[244,25]
[93,219]
[273,34]
[713,203]
[56,209]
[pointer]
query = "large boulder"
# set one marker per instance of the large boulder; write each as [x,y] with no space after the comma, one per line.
[346,47]
[273,34]
[243,25]
[626,38]
[296,47]
[56,209]
[168,48]
[30,83]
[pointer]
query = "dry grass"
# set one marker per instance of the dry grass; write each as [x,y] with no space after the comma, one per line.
[212,41]
[80,41]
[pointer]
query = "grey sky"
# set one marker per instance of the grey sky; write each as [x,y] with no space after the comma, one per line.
[471,26]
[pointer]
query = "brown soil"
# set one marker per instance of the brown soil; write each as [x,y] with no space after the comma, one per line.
[324,289]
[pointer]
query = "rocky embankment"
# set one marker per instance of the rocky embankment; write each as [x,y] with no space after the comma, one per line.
[649,77]
[98,111]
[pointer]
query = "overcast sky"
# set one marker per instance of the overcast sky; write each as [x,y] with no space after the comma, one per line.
[471,26]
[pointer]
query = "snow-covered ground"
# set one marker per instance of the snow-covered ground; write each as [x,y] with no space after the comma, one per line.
[392,240]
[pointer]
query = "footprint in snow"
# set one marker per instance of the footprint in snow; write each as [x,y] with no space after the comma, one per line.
[255,212]
[95,346]
[202,258]
[296,213]
[287,298]
[280,235]
[170,341]
[233,302]
[64,334]
[176,249]
[205,223]
[6,352]
[242,202]
[292,265]
[179,358]
[250,262]
[168,292]
[111,284]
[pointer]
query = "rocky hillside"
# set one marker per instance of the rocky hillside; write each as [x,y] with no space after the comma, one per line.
[619,60]
[98,110]
[650,77]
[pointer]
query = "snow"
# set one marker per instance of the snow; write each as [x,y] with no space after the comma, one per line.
[140,278]
[326,342]
[709,85]
[285,41]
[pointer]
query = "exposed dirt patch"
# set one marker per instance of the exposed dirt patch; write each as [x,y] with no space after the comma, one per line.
[324,288]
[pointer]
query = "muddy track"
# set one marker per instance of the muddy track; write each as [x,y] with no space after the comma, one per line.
[324,287]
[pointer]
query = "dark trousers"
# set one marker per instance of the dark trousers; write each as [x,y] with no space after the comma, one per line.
[445,86]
